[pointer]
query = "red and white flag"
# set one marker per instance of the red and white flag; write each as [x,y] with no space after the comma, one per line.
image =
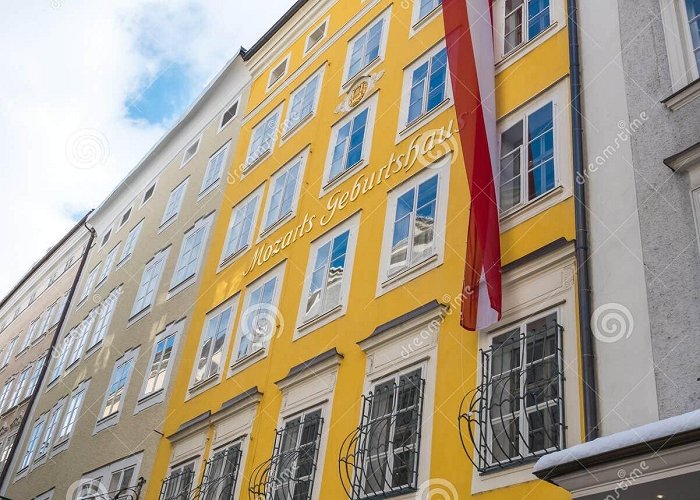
[469,38]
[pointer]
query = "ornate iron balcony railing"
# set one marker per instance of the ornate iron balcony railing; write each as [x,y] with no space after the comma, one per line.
[516,414]
[177,486]
[379,459]
[128,493]
[289,473]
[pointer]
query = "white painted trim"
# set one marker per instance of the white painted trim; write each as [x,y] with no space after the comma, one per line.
[237,102]
[682,66]
[196,143]
[203,224]
[113,419]
[385,17]
[284,62]
[169,219]
[324,25]
[249,164]
[287,130]
[254,197]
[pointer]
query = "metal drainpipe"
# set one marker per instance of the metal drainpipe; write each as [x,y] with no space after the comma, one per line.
[588,371]
[49,352]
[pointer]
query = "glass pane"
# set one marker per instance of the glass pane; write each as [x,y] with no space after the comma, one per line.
[339,151]
[415,105]
[538,17]
[438,78]
[504,444]
[543,429]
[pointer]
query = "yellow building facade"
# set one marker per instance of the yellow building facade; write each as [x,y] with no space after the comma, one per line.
[324,358]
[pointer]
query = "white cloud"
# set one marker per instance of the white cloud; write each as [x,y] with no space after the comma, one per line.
[73,65]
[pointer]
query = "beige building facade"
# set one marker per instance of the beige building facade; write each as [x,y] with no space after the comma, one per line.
[97,421]
[30,316]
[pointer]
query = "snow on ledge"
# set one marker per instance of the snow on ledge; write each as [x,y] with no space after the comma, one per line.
[638,435]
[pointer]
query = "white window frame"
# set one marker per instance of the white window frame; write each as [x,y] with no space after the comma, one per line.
[20,387]
[77,395]
[204,226]
[386,281]
[159,260]
[5,393]
[34,379]
[418,21]
[63,349]
[81,337]
[107,236]
[384,17]
[87,286]
[111,419]
[557,21]
[256,198]
[290,128]
[108,265]
[271,312]
[104,314]
[406,127]
[168,218]
[131,242]
[53,422]
[236,102]
[213,378]
[33,442]
[125,214]
[272,80]
[186,155]
[47,495]
[301,158]
[371,106]
[683,67]
[146,400]
[222,152]
[323,27]
[274,115]
[307,325]
[10,348]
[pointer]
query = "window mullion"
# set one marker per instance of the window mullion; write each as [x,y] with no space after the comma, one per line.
[523,424]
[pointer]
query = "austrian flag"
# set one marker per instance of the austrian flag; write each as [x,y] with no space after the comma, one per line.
[469,39]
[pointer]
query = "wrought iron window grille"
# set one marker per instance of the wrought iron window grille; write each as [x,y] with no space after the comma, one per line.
[289,473]
[516,414]
[177,486]
[379,459]
[127,493]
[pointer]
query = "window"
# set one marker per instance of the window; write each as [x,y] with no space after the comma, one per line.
[228,115]
[365,48]
[278,73]
[350,141]
[32,443]
[71,416]
[303,102]
[295,456]
[174,203]
[191,252]
[130,244]
[327,282]
[413,231]
[260,314]
[5,394]
[263,137]
[51,427]
[693,18]
[391,423]
[148,193]
[120,481]
[46,320]
[190,151]
[10,348]
[89,282]
[284,192]
[62,352]
[215,168]
[105,239]
[315,36]
[149,283]
[117,386]
[7,448]
[104,315]
[31,332]
[38,366]
[523,382]
[125,217]
[240,230]
[524,20]
[20,388]
[46,496]
[109,263]
[82,333]
[429,85]
[527,172]
[221,473]
[425,7]
[212,345]
[178,483]
[158,369]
